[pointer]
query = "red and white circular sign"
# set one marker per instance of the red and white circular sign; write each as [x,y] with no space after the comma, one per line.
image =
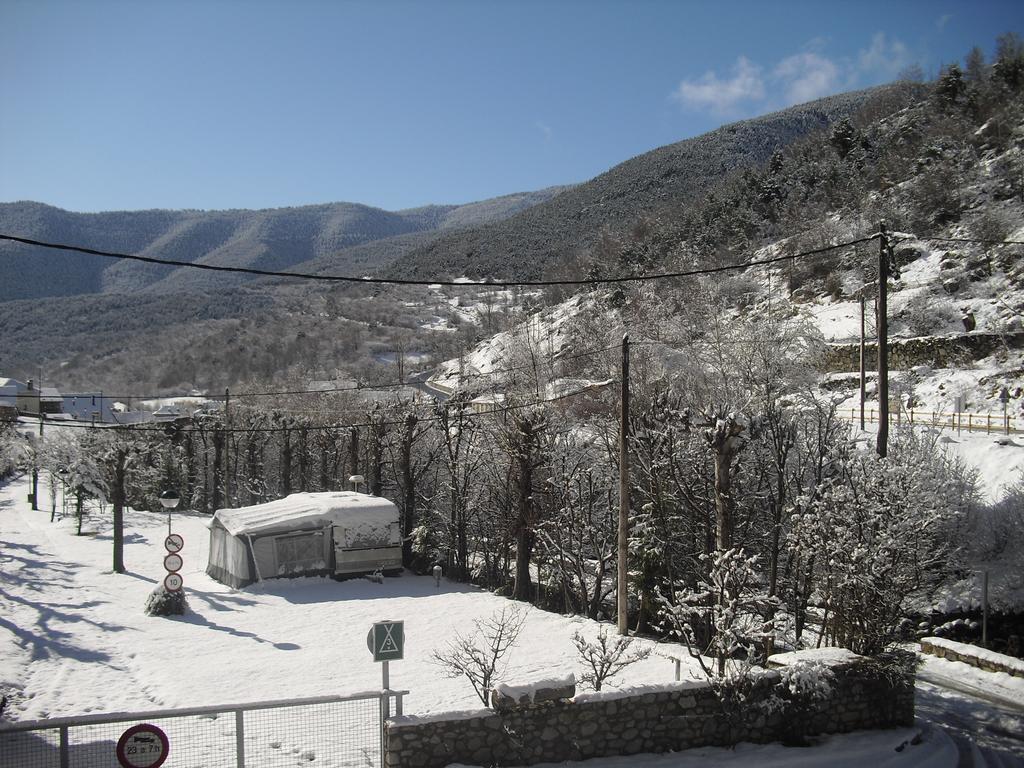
[173,582]
[173,562]
[174,543]
[142,746]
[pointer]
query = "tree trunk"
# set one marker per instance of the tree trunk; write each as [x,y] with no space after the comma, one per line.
[303,460]
[523,451]
[218,471]
[117,500]
[286,464]
[408,489]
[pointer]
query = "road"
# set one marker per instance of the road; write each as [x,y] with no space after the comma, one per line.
[987,729]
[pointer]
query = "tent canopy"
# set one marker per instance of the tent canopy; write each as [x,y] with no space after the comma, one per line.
[304,511]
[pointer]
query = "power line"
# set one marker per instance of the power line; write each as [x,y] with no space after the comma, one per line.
[449,283]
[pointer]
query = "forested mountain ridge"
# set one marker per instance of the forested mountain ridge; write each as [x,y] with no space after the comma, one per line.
[540,240]
[278,239]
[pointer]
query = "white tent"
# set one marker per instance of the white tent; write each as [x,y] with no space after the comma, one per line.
[339,533]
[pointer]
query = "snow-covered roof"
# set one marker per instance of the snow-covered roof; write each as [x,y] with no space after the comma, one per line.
[356,511]
[50,395]
[829,656]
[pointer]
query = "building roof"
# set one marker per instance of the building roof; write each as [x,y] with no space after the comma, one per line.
[305,511]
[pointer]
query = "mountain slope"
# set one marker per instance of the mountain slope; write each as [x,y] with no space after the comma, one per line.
[537,240]
[275,239]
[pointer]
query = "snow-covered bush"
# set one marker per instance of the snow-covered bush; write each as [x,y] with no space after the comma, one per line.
[801,685]
[163,603]
[605,657]
[877,532]
[12,448]
[732,604]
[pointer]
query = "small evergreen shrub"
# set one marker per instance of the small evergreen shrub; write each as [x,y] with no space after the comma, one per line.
[163,603]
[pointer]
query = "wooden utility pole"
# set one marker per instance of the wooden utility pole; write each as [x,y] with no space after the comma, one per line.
[227,452]
[621,595]
[882,321]
[863,376]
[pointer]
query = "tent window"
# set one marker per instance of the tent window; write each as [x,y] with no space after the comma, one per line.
[296,554]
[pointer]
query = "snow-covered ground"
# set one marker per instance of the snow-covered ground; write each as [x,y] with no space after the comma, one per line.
[74,639]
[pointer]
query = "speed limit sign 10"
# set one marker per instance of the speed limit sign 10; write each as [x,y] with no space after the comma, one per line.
[173,582]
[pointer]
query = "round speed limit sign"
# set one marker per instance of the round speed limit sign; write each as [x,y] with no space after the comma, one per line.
[173,562]
[142,746]
[174,543]
[173,582]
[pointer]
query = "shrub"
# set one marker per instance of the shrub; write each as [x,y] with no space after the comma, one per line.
[163,603]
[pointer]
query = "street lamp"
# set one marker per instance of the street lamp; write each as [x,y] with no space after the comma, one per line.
[356,480]
[169,500]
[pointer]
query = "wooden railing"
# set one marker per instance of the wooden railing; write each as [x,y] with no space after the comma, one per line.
[961,421]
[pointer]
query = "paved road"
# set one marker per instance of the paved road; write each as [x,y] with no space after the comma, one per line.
[987,729]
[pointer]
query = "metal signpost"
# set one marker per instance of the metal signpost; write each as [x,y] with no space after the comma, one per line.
[386,642]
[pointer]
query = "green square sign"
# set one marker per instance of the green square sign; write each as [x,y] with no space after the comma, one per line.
[386,640]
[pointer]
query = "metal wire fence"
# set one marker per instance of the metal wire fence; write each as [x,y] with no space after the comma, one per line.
[325,732]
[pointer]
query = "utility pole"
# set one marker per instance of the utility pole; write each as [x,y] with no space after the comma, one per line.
[227,448]
[35,459]
[882,321]
[863,377]
[621,595]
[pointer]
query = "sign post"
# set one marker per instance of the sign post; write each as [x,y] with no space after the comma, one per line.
[386,641]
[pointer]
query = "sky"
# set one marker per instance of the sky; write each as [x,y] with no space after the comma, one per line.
[118,105]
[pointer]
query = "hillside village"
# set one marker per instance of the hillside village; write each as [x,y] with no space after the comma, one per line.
[756,494]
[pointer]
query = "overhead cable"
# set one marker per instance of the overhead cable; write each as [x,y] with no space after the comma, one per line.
[449,283]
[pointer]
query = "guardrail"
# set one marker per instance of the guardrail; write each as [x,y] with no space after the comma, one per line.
[348,729]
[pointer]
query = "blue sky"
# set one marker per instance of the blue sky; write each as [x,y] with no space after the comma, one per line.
[133,105]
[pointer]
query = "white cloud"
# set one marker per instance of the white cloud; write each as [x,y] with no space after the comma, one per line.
[943,20]
[807,76]
[796,79]
[545,130]
[883,57]
[723,95]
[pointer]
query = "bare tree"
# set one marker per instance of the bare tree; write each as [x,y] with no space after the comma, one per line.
[479,656]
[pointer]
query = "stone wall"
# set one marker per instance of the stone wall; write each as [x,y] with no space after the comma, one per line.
[981,658]
[935,351]
[662,719]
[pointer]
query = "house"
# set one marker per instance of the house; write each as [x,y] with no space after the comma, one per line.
[30,399]
[89,406]
[339,533]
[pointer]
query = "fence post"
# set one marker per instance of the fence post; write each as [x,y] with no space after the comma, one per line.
[240,738]
[988,424]
[911,415]
[65,757]
[970,422]
[384,706]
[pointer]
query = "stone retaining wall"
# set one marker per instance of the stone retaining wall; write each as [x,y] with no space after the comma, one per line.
[662,719]
[935,351]
[973,655]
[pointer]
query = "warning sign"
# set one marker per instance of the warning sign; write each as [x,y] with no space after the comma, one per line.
[386,640]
